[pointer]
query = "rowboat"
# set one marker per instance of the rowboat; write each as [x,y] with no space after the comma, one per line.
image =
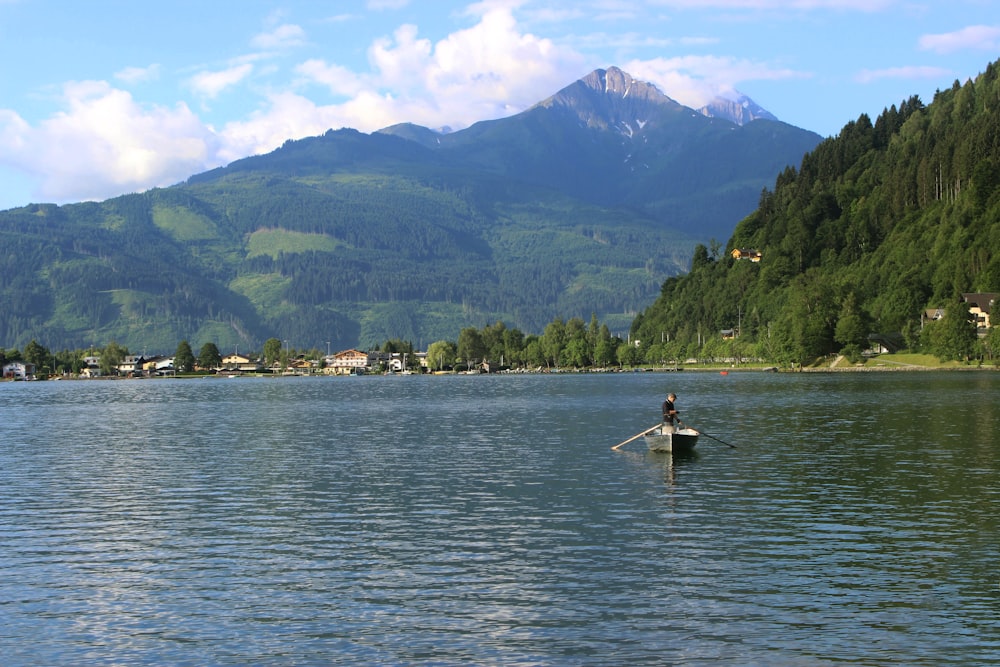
[681,440]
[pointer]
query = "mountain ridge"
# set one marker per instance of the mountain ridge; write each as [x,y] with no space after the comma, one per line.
[612,98]
[740,110]
[404,233]
[616,84]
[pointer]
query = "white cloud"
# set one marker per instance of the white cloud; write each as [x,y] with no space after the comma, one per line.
[910,72]
[757,5]
[104,144]
[491,64]
[401,62]
[977,37]
[138,74]
[210,84]
[340,18]
[379,5]
[292,116]
[339,80]
[696,80]
[488,70]
[14,134]
[559,15]
[283,37]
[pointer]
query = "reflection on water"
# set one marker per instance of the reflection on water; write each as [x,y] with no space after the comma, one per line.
[483,520]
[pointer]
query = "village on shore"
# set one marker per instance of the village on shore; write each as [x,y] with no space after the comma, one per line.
[606,355]
[356,362]
[344,363]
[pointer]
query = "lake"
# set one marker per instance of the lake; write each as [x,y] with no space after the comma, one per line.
[457,520]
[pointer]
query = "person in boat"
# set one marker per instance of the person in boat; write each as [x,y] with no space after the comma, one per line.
[670,413]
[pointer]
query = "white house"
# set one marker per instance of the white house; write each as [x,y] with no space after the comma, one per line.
[19,370]
[158,365]
[91,367]
[130,364]
[347,362]
[981,308]
[243,364]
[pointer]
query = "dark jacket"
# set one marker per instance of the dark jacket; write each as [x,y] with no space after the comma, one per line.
[669,414]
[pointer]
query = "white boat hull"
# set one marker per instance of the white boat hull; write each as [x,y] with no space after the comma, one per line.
[681,440]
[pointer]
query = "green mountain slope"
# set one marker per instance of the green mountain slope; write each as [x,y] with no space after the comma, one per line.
[876,225]
[352,239]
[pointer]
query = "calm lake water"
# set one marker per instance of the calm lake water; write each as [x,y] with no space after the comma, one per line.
[485,520]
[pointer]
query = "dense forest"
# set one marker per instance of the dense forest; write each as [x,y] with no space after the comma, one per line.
[878,224]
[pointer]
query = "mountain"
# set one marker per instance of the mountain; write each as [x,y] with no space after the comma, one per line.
[877,225]
[739,109]
[580,205]
[611,140]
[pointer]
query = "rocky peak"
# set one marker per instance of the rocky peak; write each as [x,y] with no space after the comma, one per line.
[612,98]
[739,109]
[616,83]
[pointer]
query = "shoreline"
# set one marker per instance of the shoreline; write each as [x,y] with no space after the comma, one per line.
[895,367]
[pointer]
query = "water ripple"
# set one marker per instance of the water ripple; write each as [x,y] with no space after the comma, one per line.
[476,520]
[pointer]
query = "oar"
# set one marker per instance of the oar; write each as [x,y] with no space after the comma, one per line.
[707,435]
[636,436]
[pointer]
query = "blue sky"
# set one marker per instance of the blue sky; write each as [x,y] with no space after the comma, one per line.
[107,97]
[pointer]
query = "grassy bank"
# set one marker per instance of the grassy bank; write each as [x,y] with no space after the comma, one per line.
[901,361]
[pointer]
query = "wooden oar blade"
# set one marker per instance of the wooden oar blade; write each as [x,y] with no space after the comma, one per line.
[635,437]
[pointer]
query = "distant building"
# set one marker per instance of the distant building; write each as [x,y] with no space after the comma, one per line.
[981,307]
[746,253]
[931,314]
[242,364]
[91,367]
[19,370]
[302,366]
[396,362]
[130,364]
[158,365]
[347,362]
[884,343]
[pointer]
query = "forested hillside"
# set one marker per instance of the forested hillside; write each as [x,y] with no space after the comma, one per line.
[579,206]
[877,224]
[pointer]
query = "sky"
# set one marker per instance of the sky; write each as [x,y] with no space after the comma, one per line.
[108,97]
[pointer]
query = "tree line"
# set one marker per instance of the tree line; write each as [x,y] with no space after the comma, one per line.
[564,343]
